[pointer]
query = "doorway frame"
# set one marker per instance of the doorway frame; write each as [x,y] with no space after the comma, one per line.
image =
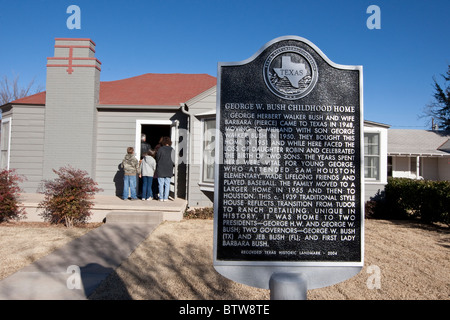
[173,136]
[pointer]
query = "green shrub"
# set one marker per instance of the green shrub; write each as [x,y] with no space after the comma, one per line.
[373,209]
[401,198]
[9,196]
[435,204]
[68,198]
[426,200]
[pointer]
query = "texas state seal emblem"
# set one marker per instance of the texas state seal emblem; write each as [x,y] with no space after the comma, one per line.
[290,72]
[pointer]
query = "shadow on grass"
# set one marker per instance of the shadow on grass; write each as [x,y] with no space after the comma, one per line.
[164,270]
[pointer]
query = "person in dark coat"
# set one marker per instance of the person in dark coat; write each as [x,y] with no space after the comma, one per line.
[145,147]
[164,167]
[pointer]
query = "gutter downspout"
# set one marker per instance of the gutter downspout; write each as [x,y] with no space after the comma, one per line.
[185,109]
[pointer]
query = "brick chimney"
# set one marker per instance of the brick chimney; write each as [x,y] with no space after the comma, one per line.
[72,93]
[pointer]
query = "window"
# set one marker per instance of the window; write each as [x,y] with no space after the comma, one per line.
[4,143]
[413,165]
[372,156]
[209,142]
[389,167]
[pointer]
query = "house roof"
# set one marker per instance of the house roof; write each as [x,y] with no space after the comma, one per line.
[148,89]
[368,123]
[155,89]
[38,98]
[408,142]
[445,146]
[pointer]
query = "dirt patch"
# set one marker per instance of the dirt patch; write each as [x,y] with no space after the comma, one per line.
[413,260]
[175,262]
[25,242]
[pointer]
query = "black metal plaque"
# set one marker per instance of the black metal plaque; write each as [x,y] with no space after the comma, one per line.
[288,164]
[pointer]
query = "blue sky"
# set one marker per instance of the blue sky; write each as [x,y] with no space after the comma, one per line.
[142,36]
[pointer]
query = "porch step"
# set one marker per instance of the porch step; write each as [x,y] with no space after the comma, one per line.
[172,210]
[134,217]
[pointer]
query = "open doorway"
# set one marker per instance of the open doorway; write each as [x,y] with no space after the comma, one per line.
[154,132]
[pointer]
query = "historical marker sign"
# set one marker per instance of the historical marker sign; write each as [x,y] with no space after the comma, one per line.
[289,184]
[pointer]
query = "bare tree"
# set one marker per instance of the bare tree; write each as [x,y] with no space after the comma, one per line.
[11,90]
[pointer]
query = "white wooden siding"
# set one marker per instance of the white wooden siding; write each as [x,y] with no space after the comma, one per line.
[116,131]
[27,145]
[198,197]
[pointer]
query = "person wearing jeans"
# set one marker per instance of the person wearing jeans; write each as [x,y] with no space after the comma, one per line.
[148,165]
[129,183]
[164,186]
[130,167]
[164,167]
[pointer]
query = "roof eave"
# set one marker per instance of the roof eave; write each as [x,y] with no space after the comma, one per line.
[418,154]
[137,107]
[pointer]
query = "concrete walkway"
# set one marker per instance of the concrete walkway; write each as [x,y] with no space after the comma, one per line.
[73,271]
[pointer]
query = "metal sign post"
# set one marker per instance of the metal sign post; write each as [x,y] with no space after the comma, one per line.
[288,286]
[288,201]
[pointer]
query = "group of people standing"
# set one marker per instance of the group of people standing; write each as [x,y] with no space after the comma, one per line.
[157,163]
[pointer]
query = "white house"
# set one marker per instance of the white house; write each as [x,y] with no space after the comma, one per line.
[419,154]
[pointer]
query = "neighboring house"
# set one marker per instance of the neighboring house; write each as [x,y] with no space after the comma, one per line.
[89,124]
[419,154]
